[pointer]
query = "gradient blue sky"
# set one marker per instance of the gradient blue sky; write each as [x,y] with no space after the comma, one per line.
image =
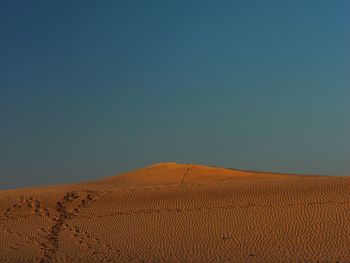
[92,88]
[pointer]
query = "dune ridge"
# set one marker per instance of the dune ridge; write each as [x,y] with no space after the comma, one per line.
[177,173]
[170,212]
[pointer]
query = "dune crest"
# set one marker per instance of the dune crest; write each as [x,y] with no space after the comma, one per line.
[167,173]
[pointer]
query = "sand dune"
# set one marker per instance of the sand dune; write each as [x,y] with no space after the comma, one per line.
[170,212]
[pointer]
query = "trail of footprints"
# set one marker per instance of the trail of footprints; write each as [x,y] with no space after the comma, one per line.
[30,202]
[218,208]
[186,173]
[64,211]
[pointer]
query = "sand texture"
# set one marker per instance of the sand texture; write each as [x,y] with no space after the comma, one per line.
[180,213]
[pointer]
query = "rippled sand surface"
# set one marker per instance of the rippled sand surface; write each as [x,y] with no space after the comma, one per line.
[180,213]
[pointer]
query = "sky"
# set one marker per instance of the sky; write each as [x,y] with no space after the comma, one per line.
[90,89]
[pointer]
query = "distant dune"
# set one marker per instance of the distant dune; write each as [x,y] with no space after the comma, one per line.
[172,212]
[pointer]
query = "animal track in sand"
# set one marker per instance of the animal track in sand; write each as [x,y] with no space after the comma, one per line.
[59,217]
[30,202]
[50,243]
[217,208]
[186,173]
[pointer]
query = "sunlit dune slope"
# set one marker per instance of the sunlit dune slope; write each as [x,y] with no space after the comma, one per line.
[172,212]
[174,173]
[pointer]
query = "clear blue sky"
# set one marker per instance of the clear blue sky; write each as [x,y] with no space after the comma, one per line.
[93,88]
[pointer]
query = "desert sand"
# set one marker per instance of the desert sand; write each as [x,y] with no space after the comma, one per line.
[172,212]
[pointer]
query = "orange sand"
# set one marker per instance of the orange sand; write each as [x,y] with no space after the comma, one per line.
[180,213]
